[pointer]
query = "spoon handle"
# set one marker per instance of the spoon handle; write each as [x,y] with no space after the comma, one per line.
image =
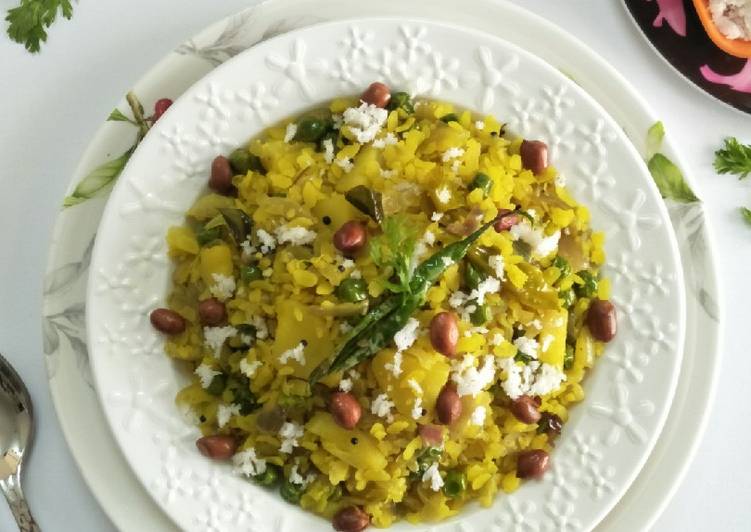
[11,488]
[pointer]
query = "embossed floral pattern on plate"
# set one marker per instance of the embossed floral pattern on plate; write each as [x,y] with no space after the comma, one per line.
[607,439]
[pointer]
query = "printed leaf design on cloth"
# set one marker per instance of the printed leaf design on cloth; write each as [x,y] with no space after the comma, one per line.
[666,174]
[98,179]
[28,22]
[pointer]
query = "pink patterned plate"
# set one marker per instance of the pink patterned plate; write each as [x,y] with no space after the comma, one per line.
[674,30]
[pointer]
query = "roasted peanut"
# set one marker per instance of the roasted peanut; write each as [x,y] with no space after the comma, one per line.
[532,463]
[525,409]
[351,519]
[444,333]
[221,175]
[350,237]
[212,312]
[534,155]
[377,94]
[167,321]
[448,406]
[601,320]
[218,447]
[345,409]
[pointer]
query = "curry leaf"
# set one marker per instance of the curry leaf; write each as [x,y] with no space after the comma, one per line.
[746,213]
[655,136]
[670,180]
[98,179]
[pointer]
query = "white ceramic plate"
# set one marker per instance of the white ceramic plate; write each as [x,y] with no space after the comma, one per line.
[606,441]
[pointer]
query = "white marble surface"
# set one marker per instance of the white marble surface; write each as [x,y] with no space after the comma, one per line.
[52,103]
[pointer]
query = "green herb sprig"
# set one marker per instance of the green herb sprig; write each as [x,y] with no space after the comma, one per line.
[28,22]
[733,158]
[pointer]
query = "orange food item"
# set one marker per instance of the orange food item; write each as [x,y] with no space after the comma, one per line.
[736,47]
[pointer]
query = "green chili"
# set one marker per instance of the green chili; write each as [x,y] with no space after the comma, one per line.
[472,276]
[454,484]
[568,357]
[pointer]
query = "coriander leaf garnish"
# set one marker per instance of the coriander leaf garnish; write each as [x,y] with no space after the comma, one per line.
[746,213]
[733,158]
[393,249]
[655,135]
[670,180]
[27,22]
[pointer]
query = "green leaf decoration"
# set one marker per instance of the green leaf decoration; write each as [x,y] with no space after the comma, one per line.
[733,158]
[746,213]
[670,180]
[98,179]
[117,116]
[655,135]
[28,22]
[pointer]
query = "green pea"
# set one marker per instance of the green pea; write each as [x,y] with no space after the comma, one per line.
[451,117]
[567,298]
[240,161]
[268,477]
[454,484]
[251,273]
[217,385]
[568,357]
[352,290]
[563,265]
[483,182]
[310,129]
[480,316]
[207,236]
[472,276]
[401,100]
[291,492]
[589,288]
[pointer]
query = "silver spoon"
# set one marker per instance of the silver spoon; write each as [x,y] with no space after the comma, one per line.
[16,433]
